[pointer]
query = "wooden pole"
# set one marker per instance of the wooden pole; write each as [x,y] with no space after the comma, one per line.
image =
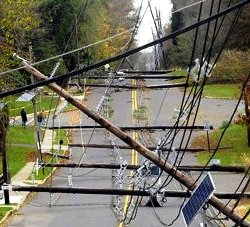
[106,191]
[238,169]
[107,146]
[3,129]
[176,174]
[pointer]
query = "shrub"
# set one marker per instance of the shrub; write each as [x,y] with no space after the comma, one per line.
[233,67]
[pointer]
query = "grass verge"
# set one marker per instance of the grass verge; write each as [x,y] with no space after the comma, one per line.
[234,137]
[4,210]
[43,102]
[229,91]
[20,135]
[17,158]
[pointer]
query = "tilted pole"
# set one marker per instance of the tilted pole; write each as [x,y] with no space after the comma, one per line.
[176,174]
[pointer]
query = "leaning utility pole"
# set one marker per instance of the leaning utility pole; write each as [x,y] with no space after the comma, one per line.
[172,171]
[4,121]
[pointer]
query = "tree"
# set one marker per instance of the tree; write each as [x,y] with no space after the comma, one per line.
[17,19]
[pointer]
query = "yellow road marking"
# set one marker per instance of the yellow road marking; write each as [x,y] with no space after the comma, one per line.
[134,156]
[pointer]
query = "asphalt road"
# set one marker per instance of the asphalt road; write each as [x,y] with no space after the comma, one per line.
[50,210]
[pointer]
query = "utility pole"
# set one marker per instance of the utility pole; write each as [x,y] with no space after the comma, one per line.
[175,173]
[4,121]
[37,130]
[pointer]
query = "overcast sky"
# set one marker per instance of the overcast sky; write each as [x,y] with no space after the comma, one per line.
[145,32]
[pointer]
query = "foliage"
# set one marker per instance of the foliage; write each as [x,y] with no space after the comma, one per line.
[179,54]
[234,66]
[238,40]
[241,38]
[234,137]
[17,19]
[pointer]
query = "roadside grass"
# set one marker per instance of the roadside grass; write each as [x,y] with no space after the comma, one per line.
[227,91]
[45,102]
[60,134]
[20,135]
[43,173]
[17,158]
[4,210]
[234,137]
[230,91]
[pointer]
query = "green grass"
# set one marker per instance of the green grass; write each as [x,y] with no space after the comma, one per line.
[17,158]
[20,135]
[235,137]
[4,210]
[46,171]
[61,134]
[42,103]
[230,91]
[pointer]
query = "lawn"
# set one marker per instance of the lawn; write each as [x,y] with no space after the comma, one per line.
[4,210]
[42,102]
[230,91]
[17,155]
[17,158]
[20,135]
[234,137]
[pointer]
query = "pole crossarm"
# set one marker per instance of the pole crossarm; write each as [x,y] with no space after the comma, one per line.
[105,191]
[152,72]
[136,77]
[238,169]
[109,146]
[157,86]
[176,174]
[133,128]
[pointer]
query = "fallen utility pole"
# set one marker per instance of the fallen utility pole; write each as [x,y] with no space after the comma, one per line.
[104,191]
[109,146]
[213,168]
[136,77]
[147,72]
[157,86]
[133,128]
[176,174]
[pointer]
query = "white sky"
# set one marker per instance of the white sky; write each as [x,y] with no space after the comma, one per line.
[145,31]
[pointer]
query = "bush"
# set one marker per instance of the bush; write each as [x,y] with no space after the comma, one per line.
[233,67]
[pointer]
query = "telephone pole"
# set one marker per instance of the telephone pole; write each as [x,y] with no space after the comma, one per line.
[4,121]
[176,174]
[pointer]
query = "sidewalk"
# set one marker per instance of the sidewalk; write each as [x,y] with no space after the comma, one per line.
[21,177]
[17,198]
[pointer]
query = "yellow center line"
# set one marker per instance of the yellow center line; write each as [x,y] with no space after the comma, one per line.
[134,156]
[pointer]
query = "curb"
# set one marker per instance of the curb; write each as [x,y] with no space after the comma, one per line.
[223,98]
